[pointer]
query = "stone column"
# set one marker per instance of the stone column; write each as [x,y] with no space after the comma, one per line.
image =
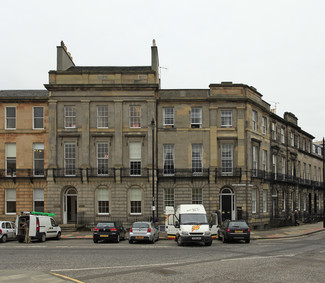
[52,125]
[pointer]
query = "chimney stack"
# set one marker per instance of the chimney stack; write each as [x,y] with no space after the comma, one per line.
[64,59]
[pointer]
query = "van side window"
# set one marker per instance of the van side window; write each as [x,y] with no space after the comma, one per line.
[53,222]
[3,225]
[8,225]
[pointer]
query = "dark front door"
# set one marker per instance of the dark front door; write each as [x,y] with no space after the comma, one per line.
[226,207]
[72,209]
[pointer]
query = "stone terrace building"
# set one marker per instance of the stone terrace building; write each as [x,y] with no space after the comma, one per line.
[23,151]
[121,148]
[101,140]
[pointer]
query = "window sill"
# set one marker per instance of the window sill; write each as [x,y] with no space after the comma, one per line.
[133,214]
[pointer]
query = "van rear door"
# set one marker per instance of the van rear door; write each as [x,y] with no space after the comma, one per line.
[32,225]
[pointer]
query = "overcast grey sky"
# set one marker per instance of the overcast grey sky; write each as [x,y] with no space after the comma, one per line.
[276,46]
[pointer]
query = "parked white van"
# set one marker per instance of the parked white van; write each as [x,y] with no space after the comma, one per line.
[188,224]
[41,226]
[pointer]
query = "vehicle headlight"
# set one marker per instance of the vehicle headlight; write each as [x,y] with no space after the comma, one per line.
[184,233]
[207,233]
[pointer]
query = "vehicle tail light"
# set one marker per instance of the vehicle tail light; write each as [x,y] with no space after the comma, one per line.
[249,230]
[37,225]
[113,229]
[96,230]
[131,230]
[228,230]
[149,230]
[0,231]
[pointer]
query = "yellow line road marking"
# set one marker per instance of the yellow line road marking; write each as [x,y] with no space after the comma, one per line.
[66,277]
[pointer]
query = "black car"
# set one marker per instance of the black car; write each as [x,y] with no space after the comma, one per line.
[234,230]
[109,231]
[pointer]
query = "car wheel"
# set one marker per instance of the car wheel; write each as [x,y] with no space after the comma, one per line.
[58,236]
[118,239]
[247,241]
[21,240]
[95,241]
[4,239]
[208,243]
[130,241]
[43,238]
[179,241]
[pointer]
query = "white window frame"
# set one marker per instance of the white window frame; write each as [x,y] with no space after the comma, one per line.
[292,137]
[264,160]
[11,118]
[102,155]
[38,197]
[284,196]
[299,201]
[136,198]
[254,200]
[169,197]
[102,116]
[38,118]
[10,199]
[169,159]
[275,165]
[255,120]
[282,135]
[71,159]
[264,201]
[135,116]
[196,117]
[226,118]
[13,173]
[38,147]
[227,159]
[103,197]
[168,116]
[255,160]
[135,160]
[264,125]
[197,159]
[70,117]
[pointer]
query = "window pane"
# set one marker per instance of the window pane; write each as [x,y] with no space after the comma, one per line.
[196,116]
[135,116]
[168,116]
[227,159]
[102,116]
[197,166]
[38,117]
[169,197]
[226,118]
[69,117]
[69,158]
[168,159]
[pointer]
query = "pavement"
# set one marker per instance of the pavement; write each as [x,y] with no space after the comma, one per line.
[277,233]
[18,276]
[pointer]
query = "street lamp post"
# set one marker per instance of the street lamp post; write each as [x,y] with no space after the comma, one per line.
[153,169]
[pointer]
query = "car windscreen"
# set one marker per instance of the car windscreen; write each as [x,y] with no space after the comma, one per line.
[238,224]
[140,225]
[193,219]
[105,225]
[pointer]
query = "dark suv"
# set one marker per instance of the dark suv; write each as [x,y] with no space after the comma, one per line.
[109,231]
[234,230]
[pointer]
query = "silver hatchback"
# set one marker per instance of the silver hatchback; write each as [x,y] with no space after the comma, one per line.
[7,231]
[143,231]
